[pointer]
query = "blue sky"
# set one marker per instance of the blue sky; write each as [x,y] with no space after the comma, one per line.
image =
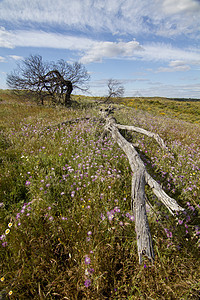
[151,46]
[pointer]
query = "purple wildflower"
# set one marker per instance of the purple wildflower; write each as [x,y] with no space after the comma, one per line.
[2,237]
[91,270]
[169,233]
[102,217]
[110,217]
[117,209]
[87,283]
[87,260]
[131,218]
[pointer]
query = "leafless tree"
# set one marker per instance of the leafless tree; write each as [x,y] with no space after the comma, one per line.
[115,89]
[48,78]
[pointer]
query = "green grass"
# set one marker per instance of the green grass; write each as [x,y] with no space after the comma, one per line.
[181,109]
[187,110]
[67,231]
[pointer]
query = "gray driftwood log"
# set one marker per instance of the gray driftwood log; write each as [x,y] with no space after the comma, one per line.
[140,177]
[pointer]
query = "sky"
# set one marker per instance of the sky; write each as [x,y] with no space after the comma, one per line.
[152,47]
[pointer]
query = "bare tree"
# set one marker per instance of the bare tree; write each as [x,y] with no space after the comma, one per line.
[115,89]
[28,75]
[49,78]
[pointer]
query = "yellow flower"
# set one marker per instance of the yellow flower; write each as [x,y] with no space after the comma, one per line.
[10,225]
[7,231]
[10,293]
[2,279]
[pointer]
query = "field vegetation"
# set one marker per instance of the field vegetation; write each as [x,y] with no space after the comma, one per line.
[182,109]
[67,230]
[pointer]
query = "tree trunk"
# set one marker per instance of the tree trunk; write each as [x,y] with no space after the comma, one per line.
[68,93]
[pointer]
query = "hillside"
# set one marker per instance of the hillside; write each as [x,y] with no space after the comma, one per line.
[67,230]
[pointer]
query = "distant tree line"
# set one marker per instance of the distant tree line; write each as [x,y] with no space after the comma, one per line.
[48,79]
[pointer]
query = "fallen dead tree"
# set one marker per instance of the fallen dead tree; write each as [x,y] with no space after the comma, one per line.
[140,178]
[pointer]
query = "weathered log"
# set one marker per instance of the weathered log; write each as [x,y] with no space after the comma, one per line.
[139,179]
[146,132]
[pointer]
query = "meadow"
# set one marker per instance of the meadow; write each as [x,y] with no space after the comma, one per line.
[67,230]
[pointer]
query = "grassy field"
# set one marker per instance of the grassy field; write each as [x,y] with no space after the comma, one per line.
[181,109]
[66,230]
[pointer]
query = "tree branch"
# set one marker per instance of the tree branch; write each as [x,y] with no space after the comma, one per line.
[158,139]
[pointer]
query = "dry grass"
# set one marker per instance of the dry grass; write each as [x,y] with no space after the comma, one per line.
[65,206]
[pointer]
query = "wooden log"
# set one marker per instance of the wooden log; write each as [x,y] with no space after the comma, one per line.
[146,132]
[144,240]
[140,177]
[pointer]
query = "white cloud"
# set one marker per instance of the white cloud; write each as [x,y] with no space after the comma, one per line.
[161,17]
[186,6]
[90,50]
[177,63]
[2,59]
[5,38]
[102,50]
[16,57]
[182,68]
[23,38]
[180,65]
[166,52]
